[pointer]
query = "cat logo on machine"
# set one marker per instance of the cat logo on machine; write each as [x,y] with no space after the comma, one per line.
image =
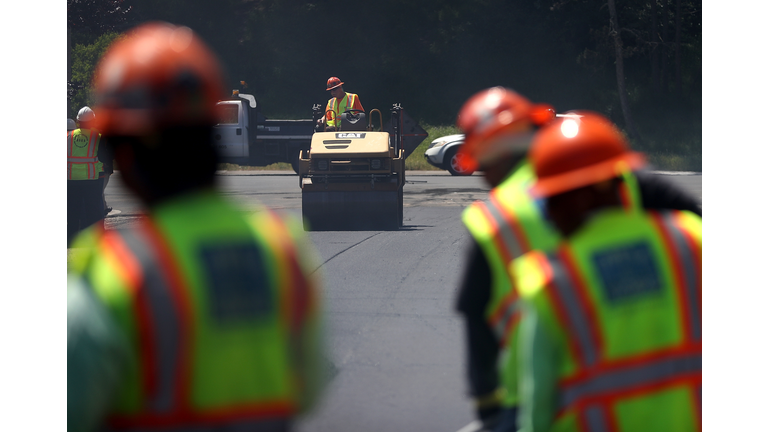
[348,135]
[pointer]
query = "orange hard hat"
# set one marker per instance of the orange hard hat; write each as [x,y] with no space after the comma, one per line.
[158,76]
[498,121]
[577,150]
[333,82]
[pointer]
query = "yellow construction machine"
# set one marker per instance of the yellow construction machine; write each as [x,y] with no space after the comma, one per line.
[352,177]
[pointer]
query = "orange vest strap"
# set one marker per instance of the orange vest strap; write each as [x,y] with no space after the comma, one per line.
[566,293]
[119,252]
[686,266]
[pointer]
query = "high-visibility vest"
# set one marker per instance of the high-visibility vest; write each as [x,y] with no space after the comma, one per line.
[213,313]
[622,297]
[505,226]
[82,155]
[347,102]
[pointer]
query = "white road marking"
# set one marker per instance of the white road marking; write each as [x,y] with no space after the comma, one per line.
[473,426]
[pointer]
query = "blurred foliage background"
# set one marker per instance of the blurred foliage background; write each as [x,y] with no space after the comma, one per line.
[432,55]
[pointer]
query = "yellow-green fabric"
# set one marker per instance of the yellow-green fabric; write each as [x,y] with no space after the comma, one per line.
[490,223]
[349,101]
[82,152]
[619,276]
[97,356]
[251,348]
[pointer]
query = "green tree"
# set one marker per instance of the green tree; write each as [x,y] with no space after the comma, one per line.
[84,60]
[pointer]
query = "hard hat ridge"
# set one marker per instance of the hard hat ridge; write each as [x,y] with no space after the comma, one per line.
[85,114]
[332,83]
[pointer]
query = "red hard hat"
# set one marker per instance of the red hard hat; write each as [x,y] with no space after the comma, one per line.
[498,121]
[578,150]
[333,82]
[160,75]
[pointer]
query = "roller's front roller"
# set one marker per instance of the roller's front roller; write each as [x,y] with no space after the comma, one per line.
[351,210]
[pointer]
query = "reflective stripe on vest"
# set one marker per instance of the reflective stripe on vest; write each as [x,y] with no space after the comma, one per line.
[568,298]
[513,241]
[687,271]
[163,313]
[510,243]
[670,368]
[163,316]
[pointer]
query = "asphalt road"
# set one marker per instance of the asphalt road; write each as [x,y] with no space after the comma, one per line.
[395,345]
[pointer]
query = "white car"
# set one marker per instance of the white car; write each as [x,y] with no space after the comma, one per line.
[442,153]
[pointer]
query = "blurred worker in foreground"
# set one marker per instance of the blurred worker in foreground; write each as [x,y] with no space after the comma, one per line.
[84,175]
[339,102]
[611,334]
[199,317]
[499,125]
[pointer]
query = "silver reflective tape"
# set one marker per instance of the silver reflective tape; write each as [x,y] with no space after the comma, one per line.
[689,271]
[596,419]
[165,318]
[507,235]
[629,378]
[578,319]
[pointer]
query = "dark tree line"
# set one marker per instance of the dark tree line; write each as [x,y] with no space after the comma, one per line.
[638,62]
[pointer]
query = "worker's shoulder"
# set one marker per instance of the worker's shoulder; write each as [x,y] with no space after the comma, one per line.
[270,223]
[530,273]
[83,248]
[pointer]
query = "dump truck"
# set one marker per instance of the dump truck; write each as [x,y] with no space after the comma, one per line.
[244,136]
[352,178]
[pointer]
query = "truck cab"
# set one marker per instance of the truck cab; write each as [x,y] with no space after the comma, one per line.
[244,136]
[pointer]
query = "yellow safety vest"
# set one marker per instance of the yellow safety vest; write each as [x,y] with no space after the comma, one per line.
[214,313]
[505,226]
[82,155]
[622,297]
[347,102]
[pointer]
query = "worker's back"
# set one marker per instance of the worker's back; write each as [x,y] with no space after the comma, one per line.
[621,303]
[216,311]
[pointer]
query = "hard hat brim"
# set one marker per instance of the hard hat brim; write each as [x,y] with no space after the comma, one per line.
[331,88]
[586,176]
